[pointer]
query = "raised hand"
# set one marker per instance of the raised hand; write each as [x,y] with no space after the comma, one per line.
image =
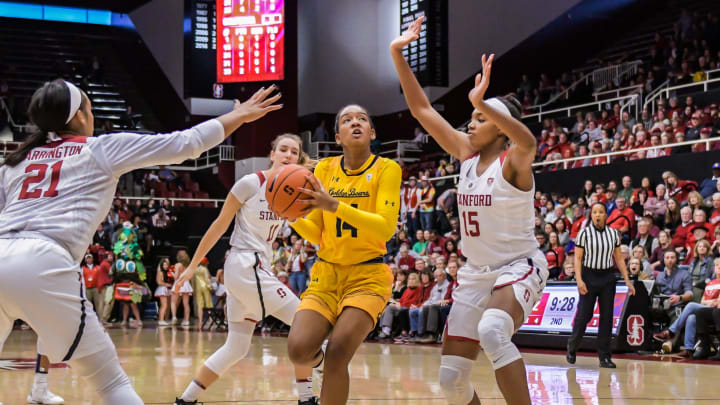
[259,104]
[482,81]
[412,33]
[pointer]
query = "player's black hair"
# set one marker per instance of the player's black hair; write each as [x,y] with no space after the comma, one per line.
[513,104]
[337,117]
[48,110]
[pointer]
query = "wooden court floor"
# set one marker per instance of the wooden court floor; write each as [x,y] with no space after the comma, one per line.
[161,362]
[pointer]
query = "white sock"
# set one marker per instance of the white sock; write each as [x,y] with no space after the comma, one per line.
[304,389]
[41,380]
[192,392]
[386,330]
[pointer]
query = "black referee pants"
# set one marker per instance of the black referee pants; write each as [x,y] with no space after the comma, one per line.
[601,286]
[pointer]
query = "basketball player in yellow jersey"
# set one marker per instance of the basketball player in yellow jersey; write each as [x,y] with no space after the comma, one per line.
[354,213]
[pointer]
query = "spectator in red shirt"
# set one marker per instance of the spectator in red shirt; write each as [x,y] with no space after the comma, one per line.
[582,152]
[564,147]
[400,309]
[90,274]
[683,230]
[715,215]
[679,189]
[578,223]
[555,256]
[405,262]
[622,218]
[436,244]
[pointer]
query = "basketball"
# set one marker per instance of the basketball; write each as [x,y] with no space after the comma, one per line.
[282,191]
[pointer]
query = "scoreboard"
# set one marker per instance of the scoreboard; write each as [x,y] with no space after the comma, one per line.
[250,40]
[428,55]
[555,311]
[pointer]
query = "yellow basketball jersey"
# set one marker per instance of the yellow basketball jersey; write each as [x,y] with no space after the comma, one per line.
[372,189]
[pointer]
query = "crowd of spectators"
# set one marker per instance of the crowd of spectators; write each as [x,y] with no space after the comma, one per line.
[683,56]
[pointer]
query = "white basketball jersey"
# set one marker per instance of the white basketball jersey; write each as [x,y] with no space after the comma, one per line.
[62,190]
[497,220]
[255,225]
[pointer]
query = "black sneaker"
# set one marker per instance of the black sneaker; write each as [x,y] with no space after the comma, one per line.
[570,357]
[607,363]
[311,401]
[179,401]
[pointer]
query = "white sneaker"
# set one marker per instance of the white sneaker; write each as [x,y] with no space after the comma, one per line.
[44,397]
[174,321]
[185,323]
[163,323]
[139,324]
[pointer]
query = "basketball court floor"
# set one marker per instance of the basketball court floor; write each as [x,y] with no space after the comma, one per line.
[161,362]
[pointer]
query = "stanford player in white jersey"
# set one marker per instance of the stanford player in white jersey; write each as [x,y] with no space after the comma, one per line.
[54,191]
[506,272]
[253,291]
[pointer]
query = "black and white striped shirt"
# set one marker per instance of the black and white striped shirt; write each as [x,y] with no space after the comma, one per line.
[598,246]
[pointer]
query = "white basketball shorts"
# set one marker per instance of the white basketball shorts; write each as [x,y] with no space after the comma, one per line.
[527,276]
[42,285]
[241,268]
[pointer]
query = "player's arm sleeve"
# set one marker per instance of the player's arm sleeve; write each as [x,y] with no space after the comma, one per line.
[381,224]
[245,188]
[310,227]
[126,152]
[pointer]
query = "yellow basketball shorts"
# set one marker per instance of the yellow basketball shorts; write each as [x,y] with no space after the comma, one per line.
[334,287]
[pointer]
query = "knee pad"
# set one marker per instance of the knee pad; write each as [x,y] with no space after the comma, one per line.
[235,348]
[454,378]
[104,373]
[495,329]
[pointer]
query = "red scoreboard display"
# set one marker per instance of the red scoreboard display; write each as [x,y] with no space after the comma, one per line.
[250,40]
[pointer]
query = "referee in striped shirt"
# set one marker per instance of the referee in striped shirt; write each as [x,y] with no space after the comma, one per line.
[595,248]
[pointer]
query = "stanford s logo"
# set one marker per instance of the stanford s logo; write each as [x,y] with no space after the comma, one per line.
[527,295]
[288,189]
[635,330]
[281,292]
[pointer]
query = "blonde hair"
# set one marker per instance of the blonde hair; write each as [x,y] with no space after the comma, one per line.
[701,242]
[183,258]
[700,200]
[304,159]
[637,249]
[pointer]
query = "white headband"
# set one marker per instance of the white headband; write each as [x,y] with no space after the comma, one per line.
[498,105]
[75,99]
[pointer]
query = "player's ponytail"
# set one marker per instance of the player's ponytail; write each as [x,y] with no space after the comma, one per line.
[48,111]
[304,159]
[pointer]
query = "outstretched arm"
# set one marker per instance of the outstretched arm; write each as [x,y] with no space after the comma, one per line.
[452,141]
[518,170]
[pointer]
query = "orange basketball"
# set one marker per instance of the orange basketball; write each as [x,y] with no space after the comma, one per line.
[282,191]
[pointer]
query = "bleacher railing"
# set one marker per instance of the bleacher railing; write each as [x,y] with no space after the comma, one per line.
[603,76]
[173,201]
[607,156]
[632,99]
[651,99]
[618,92]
